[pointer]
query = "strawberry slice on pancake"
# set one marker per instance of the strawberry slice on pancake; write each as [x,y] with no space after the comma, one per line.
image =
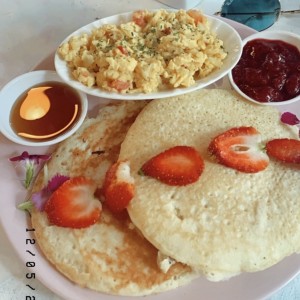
[285,150]
[179,165]
[118,187]
[73,204]
[240,148]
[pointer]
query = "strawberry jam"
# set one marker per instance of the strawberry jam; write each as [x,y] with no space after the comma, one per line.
[268,71]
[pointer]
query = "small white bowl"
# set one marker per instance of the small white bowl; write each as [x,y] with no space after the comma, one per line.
[12,91]
[288,37]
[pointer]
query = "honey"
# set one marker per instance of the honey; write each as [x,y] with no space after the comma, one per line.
[45,111]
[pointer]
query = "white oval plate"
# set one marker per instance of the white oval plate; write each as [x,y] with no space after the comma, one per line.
[230,37]
[248,286]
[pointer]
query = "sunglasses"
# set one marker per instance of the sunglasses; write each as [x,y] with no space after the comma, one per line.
[257,14]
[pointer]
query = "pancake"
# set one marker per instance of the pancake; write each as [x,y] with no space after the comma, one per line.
[227,222]
[110,256]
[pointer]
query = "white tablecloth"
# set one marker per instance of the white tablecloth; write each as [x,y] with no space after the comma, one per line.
[30,31]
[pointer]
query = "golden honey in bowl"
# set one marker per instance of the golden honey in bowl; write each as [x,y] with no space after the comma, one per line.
[45,111]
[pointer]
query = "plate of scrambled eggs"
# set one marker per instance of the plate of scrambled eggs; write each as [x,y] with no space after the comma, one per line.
[148,54]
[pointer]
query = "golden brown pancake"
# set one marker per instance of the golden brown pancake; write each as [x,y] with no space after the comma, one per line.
[227,222]
[110,256]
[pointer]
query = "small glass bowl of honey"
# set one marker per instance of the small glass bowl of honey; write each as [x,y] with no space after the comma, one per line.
[39,109]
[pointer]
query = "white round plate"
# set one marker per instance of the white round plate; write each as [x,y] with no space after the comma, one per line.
[248,286]
[230,37]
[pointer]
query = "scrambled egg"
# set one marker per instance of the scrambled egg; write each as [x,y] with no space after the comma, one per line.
[154,51]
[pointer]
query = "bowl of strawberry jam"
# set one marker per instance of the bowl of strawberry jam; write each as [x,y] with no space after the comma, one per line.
[39,109]
[268,71]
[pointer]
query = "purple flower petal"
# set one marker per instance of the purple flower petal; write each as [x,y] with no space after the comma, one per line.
[289,118]
[26,156]
[56,181]
[39,199]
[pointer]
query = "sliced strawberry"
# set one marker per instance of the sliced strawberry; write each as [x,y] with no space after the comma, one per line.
[118,187]
[286,150]
[179,165]
[239,148]
[73,204]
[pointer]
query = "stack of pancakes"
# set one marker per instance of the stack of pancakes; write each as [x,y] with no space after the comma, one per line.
[226,223]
